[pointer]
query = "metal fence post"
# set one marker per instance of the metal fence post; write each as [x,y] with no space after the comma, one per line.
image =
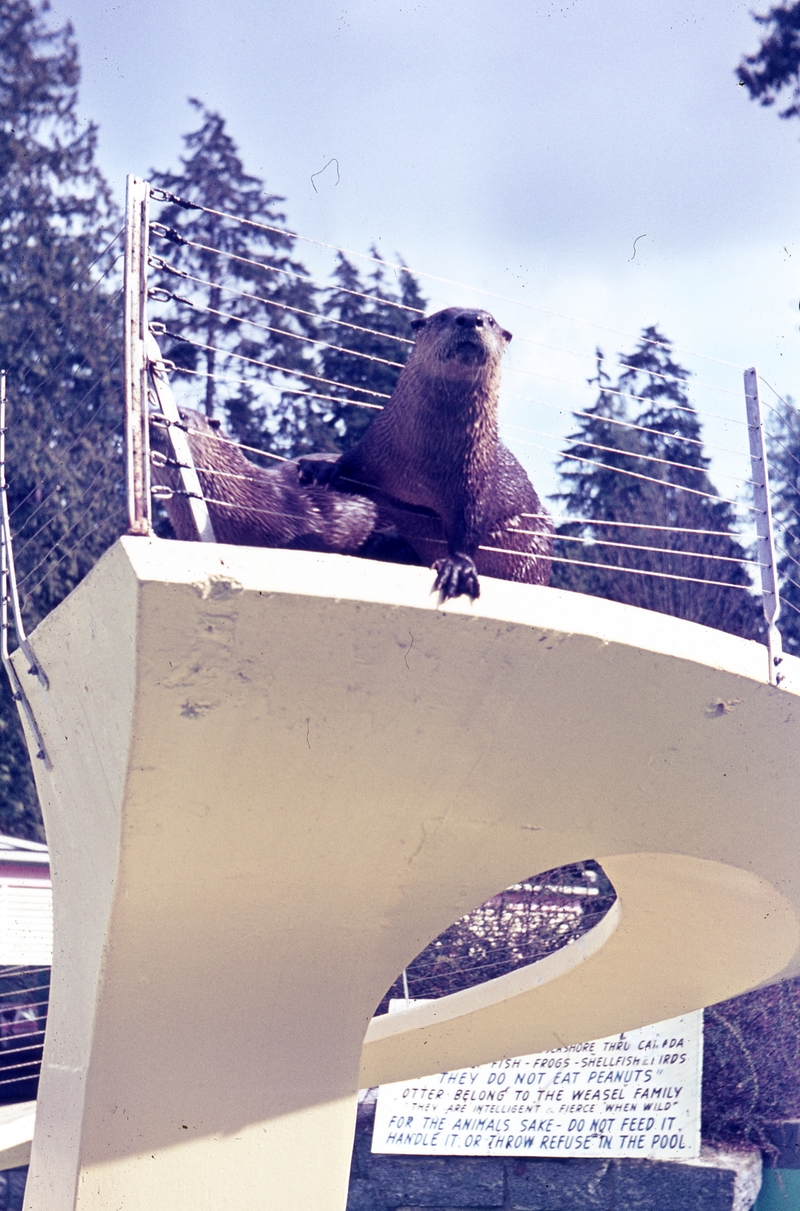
[770,599]
[137,444]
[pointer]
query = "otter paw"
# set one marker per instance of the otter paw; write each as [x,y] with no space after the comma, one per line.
[315,470]
[456,574]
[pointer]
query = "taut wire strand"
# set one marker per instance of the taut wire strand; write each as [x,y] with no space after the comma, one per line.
[64,537]
[59,487]
[257,298]
[647,458]
[635,546]
[9,595]
[614,420]
[779,496]
[97,382]
[648,478]
[284,389]
[785,601]
[315,385]
[785,449]
[302,277]
[400,268]
[30,591]
[571,382]
[311,340]
[786,554]
[23,344]
[59,513]
[647,373]
[613,567]
[159,419]
[792,581]
[295,336]
[786,404]
[405,340]
[635,525]
[254,361]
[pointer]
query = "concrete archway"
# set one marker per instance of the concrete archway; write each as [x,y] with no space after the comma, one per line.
[276,776]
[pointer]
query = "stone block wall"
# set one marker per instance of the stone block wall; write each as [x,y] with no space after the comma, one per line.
[785,1138]
[719,1181]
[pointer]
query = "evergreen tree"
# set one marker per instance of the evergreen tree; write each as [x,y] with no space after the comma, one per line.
[776,64]
[644,499]
[368,335]
[60,332]
[784,459]
[771,73]
[246,300]
[241,312]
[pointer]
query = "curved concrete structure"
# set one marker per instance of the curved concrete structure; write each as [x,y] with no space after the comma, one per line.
[277,776]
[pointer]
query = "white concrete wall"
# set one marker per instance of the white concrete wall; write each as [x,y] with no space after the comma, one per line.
[277,776]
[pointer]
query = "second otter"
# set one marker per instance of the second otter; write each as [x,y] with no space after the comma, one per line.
[251,506]
[434,459]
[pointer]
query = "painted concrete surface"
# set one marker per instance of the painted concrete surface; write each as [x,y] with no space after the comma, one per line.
[17,1123]
[277,776]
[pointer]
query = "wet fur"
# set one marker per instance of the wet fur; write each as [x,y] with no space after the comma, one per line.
[433,462]
[250,506]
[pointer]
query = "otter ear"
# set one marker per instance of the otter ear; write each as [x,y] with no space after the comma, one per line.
[417,324]
[506,335]
[214,424]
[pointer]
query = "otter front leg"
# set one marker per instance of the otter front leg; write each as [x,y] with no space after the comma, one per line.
[456,574]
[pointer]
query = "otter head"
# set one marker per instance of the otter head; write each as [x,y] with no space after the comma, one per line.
[461,340]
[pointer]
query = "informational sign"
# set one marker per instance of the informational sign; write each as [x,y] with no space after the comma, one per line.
[634,1094]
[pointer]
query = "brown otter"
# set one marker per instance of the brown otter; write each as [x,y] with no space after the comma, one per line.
[434,463]
[250,506]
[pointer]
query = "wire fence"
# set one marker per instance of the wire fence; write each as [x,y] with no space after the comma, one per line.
[647,469]
[521,925]
[24,1000]
[288,347]
[65,429]
[324,350]
[325,354]
[267,361]
[688,546]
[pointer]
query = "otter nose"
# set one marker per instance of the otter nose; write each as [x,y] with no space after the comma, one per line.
[472,319]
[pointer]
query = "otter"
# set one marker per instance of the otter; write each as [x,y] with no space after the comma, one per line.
[250,506]
[433,462]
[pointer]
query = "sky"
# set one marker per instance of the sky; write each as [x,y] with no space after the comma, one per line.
[589,159]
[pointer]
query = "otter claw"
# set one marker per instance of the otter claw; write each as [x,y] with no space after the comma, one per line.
[314,471]
[456,574]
